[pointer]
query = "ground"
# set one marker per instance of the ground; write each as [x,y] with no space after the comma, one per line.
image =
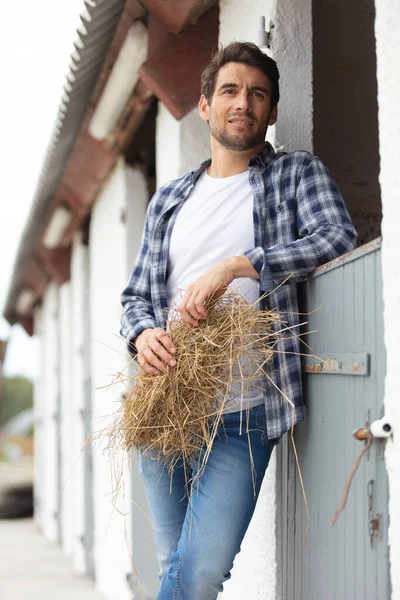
[32,568]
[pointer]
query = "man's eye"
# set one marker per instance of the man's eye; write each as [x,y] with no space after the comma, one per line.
[229,91]
[258,94]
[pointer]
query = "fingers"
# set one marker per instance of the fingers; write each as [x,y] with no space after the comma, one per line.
[148,368]
[158,349]
[157,353]
[191,307]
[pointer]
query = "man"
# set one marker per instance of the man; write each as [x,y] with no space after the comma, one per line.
[249,218]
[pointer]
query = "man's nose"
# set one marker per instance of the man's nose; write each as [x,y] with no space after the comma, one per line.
[242,101]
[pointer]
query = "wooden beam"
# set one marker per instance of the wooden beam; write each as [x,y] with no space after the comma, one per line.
[27,323]
[173,73]
[177,15]
[57,263]
[36,277]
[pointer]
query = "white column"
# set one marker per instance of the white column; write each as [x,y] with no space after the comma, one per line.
[180,145]
[38,405]
[69,453]
[143,551]
[388,76]
[108,275]
[50,390]
[79,365]
[291,42]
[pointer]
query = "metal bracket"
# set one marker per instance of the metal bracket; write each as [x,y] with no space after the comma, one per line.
[263,36]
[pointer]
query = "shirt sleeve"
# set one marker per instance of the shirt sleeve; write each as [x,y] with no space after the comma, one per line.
[138,313]
[324,228]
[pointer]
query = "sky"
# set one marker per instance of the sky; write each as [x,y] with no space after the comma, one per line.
[35,46]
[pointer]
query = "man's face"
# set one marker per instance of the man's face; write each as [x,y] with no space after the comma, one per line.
[239,111]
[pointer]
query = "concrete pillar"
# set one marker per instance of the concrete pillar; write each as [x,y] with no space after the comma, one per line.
[69,454]
[51,416]
[82,489]
[38,405]
[111,476]
[180,145]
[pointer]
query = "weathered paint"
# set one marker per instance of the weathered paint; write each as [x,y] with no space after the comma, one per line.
[339,364]
[350,256]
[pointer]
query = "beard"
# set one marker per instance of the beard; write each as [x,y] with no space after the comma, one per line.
[238,143]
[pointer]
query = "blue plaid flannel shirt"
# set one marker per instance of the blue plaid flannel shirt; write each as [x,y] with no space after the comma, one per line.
[300,222]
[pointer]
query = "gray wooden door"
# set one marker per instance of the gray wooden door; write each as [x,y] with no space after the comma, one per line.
[340,563]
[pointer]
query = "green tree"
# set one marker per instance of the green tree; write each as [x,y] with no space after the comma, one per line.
[16,394]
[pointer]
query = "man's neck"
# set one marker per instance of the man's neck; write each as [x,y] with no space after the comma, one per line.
[225,163]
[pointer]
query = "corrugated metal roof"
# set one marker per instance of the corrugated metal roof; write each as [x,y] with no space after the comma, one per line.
[98,23]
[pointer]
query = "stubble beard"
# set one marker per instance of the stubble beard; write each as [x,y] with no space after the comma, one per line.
[235,142]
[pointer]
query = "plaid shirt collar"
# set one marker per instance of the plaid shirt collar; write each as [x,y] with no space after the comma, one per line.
[259,161]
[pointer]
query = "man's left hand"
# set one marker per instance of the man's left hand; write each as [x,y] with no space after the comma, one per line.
[212,284]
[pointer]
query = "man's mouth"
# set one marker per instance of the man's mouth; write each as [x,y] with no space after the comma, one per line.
[241,121]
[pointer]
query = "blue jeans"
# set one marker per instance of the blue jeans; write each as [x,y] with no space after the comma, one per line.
[198,537]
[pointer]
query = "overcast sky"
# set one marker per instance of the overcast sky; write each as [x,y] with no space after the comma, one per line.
[35,45]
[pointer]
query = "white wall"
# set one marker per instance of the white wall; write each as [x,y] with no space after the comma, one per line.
[79,368]
[108,273]
[388,75]
[143,551]
[50,456]
[68,453]
[180,145]
[239,21]
[291,44]
[38,406]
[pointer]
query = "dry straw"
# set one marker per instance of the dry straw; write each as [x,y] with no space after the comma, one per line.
[176,414]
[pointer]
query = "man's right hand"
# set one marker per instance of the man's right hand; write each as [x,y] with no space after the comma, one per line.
[154,350]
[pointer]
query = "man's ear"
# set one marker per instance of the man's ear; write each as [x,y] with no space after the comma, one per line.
[273,116]
[204,108]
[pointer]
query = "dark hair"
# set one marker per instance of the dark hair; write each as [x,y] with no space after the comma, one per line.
[245,53]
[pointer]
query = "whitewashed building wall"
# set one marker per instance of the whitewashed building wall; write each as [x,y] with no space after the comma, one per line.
[79,366]
[38,404]
[67,451]
[180,145]
[108,269]
[50,458]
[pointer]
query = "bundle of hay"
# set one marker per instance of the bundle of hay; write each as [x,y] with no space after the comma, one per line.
[176,414]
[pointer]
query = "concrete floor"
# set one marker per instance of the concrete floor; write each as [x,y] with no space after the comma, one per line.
[33,569]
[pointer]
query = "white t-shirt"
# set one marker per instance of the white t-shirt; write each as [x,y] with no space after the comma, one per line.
[215,222]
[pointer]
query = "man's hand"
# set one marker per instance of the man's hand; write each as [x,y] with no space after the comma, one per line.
[213,283]
[155,350]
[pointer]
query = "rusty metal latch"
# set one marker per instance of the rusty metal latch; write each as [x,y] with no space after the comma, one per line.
[374,522]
